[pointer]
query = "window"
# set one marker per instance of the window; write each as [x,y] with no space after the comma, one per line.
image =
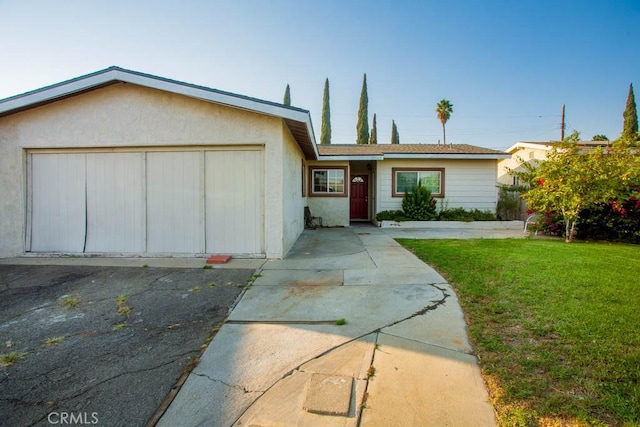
[328,182]
[404,179]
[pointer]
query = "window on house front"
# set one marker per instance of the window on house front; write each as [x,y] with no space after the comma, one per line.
[405,179]
[328,182]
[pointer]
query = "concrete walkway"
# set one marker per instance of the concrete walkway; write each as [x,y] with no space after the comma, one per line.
[402,358]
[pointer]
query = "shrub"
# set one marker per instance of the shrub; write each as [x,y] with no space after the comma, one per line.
[613,221]
[453,214]
[391,216]
[479,215]
[418,204]
[460,214]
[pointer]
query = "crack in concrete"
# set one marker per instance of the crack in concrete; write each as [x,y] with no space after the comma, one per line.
[425,343]
[239,387]
[363,404]
[377,331]
[422,311]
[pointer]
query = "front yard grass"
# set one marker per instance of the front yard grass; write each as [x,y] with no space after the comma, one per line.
[556,326]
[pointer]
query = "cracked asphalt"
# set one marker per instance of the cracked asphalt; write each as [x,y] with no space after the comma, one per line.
[111,360]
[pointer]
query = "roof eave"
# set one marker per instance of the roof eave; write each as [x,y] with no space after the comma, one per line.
[465,156]
[115,74]
[351,157]
[535,146]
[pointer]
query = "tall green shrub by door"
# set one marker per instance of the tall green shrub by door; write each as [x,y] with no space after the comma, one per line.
[418,204]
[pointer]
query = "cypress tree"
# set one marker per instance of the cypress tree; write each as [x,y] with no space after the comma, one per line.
[325,132]
[373,139]
[362,128]
[395,136]
[287,96]
[630,115]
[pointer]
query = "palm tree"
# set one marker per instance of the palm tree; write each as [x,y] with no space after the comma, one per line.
[444,110]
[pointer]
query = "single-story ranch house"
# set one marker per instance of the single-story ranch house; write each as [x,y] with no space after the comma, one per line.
[119,162]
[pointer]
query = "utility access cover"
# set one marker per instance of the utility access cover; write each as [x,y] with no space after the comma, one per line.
[328,394]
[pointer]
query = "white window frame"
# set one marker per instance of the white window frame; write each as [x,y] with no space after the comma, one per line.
[334,175]
[417,171]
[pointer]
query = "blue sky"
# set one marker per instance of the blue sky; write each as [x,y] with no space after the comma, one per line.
[507,66]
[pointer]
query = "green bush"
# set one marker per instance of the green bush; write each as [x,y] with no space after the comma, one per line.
[460,214]
[616,221]
[390,216]
[418,204]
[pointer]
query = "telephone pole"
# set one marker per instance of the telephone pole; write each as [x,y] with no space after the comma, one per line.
[562,125]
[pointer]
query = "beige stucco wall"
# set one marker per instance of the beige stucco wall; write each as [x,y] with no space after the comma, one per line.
[333,210]
[292,202]
[526,154]
[126,115]
[470,184]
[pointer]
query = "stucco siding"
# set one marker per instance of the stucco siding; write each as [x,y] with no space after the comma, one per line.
[470,184]
[126,116]
[12,200]
[292,201]
[526,154]
[333,210]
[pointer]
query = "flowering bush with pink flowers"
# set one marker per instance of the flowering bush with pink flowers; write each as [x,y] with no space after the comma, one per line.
[573,180]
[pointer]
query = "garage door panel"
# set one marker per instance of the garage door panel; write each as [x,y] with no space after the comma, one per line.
[233,202]
[175,211]
[58,203]
[115,203]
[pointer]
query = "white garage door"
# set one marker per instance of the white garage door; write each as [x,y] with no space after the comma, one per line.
[58,204]
[234,201]
[175,217]
[115,202]
[155,202]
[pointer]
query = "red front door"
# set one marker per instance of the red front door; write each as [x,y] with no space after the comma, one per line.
[359,200]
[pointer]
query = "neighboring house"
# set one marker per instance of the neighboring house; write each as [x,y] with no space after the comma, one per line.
[531,152]
[119,162]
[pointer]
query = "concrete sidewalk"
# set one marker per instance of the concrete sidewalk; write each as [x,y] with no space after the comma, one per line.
[402,358]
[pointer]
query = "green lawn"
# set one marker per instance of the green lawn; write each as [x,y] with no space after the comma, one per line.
[556,326]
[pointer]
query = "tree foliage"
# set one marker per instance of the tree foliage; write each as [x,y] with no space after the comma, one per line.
[630,115]
[573,179]
[599,137]
[373,139]
[444,110]
[325,132]
[362,127]
[287,96]
[395,136]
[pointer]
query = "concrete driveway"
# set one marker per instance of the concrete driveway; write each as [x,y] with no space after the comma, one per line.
[350,329]
[105,344]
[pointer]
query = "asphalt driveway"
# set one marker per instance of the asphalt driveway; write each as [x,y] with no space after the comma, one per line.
[104,345]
